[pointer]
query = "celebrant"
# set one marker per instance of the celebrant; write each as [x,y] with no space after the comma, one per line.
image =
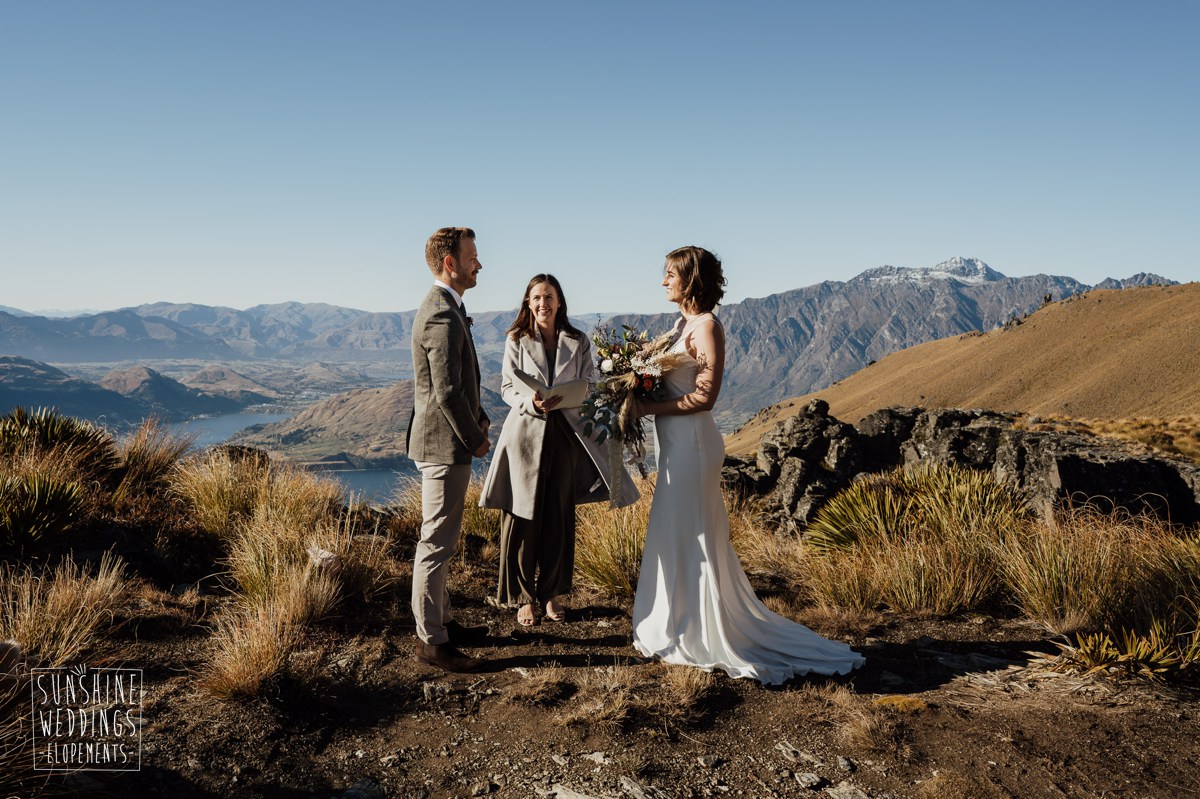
[544,465]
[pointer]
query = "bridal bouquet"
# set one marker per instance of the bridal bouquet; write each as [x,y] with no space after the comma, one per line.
[631,367]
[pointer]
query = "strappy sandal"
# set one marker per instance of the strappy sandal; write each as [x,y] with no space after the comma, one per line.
[555,615]
[528,620]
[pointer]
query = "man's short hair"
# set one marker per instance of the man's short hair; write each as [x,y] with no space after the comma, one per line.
[447,241]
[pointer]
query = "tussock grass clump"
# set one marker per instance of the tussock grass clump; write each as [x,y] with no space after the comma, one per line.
[862,724]
[267,551]
[774,555]
[148,457]
[89,449]
[686,694]
[58,616]
[1090,570]
[606,699]
[37,505]
[548,686]
[1124,589]
[608,544]
[847,579]
[17,775]
[624,698]
[226,489]
[250,648]
[300,499]
[221,489]
[914,540]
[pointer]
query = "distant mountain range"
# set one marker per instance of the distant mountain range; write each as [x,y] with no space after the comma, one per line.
[792,343]
[122,398]
[1112,355]
[779,346]
[33,384]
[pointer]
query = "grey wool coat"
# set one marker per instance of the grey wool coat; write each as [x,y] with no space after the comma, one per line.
[446,425]
[511,482]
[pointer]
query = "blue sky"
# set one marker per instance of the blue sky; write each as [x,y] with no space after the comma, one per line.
[237,153]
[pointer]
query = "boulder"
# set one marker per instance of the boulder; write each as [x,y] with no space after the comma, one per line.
[806,459]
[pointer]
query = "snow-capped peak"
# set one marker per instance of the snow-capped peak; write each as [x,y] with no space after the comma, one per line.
[970,271]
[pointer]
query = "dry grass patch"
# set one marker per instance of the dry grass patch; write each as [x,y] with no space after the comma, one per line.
[148,458]
[844,579]
[608,545]
[686,693]
[1178,436]
[775,555]
[861,724]
[662,697]
[269,556]
[1088,570]
[227,489]
[1126,590]
[17,776]
[58,615]
[606,699]
[839,623]
[915,540]
[902,703]
[547,686]
[222,490]
[250,648]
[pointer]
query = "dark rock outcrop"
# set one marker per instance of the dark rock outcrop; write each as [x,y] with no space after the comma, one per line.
[806,459]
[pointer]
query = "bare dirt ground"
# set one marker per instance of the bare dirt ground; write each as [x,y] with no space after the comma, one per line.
[943,708]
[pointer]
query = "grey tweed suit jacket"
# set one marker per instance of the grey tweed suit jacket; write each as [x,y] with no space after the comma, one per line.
[446,423]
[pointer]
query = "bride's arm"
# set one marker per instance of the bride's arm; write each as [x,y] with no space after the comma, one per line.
[708,348]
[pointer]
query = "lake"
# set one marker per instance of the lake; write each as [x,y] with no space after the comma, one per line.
[373,486]
[365,485]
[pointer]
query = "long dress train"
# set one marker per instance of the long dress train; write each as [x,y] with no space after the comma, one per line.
[694,604]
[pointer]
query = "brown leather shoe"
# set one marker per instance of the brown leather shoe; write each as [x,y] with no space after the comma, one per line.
[446,658]
[466,633]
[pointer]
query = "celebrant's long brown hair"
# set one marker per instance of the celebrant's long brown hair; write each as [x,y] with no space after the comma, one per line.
[525,325]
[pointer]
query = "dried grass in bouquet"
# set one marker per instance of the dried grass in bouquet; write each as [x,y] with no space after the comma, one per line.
[632,367]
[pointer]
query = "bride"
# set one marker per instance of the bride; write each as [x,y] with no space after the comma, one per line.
[694,604]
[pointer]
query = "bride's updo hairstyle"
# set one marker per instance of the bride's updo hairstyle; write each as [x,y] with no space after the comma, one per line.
[703,282]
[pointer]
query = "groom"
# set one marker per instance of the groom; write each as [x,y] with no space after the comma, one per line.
[447,428]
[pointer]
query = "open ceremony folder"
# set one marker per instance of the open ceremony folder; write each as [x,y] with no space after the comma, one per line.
[573,392]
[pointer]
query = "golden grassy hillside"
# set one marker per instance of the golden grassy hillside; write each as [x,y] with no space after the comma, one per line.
[1119,354]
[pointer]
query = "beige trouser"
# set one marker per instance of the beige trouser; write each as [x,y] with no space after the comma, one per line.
[443,493]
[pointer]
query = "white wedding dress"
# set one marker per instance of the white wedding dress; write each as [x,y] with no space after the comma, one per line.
[694,604]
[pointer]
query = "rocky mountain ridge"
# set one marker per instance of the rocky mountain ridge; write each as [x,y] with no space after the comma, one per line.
[799,341]
[359,429]
[1108,354]
[31,384]
[779,346]
[167,398]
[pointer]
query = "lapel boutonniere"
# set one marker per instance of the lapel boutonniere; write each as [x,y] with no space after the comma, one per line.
[470,322]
